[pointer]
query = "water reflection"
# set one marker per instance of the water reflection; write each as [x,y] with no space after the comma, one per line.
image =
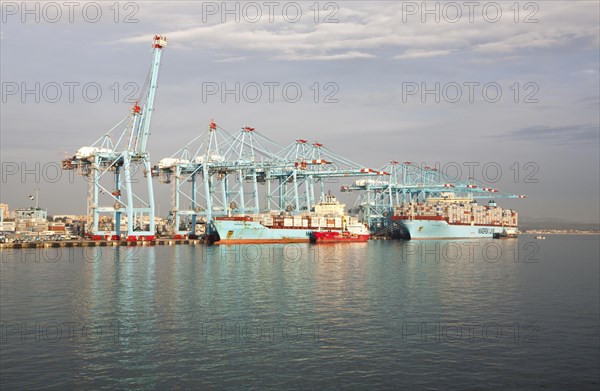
[278,316]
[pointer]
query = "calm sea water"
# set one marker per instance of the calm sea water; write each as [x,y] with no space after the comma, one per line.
[465,315]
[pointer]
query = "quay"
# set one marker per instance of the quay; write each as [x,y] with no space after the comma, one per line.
[101,243]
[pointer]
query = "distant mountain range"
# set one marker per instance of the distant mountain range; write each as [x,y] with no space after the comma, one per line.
[532,223]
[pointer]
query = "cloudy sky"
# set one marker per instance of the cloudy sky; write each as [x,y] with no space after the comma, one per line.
[513,85]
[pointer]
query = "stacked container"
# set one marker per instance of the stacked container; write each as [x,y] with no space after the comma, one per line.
[468,213]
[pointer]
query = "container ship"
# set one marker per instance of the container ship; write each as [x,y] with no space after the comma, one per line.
[327,223]
[451,217]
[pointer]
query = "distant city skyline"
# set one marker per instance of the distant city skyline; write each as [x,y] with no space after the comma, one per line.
[510,97]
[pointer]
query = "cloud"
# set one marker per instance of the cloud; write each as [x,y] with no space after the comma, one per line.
[591,101]
[588,72]
[231,59]
[567,134]
[364,30]
[326,57]
[421,54]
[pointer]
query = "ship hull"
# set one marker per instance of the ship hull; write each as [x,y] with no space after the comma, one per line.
[336,237]
[251,232]
[440,229]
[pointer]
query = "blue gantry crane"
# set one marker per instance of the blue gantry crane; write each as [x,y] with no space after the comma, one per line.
[219,173]
[112,162]
[407,182]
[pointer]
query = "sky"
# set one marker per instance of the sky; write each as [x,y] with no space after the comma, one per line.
[488,85]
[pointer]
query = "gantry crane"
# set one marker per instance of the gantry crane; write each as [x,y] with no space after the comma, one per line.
[247,173]
[223,172]
[407,182]
[112,162]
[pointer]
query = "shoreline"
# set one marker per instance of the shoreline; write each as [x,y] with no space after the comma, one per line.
[100,243]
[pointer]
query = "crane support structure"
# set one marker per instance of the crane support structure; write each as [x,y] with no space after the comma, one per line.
[112,162]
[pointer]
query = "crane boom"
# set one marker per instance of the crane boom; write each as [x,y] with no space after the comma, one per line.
[142,130]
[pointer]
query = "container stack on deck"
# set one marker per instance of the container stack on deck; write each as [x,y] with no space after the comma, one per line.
[304,221]
[328,214]
[459,214]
